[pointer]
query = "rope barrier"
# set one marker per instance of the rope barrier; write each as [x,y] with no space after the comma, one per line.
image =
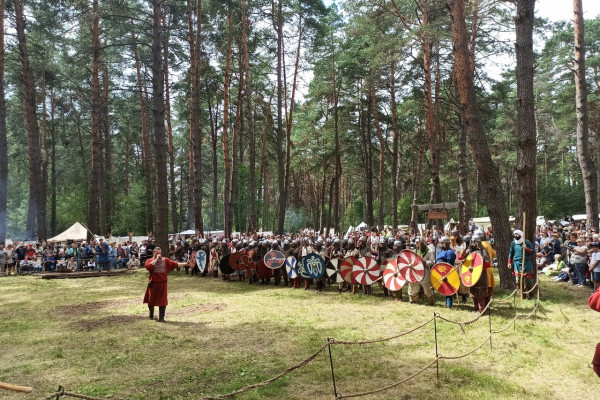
[348,396]
[361,342]
[61,392]
[465,323]
[504,300]
[439,357]
[273,379]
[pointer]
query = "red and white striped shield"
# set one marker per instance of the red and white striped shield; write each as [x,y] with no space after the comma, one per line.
[346,270]
[392,278]
[365,271]
[411,266]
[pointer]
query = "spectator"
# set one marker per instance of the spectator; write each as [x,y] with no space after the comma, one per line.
[10,260]
[102,250]
[2,258]
[72,264]
[595,265]
[579,259]
[133,263]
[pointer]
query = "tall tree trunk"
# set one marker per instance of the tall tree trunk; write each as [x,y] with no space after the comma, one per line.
[262,185]
[236,148]
[395,141]
[160,145]
[3,140]
[526,140]
[195,119]
[436,138]
[172,187]
[106,200]
[33,130]
[226,187]
[338,158]
[380,215]
[53,184]
[146,150]
[214,141]
[583,152]
[490,178]
[252,217]
[191,210]
[280,133]
[95,208]
[290,116]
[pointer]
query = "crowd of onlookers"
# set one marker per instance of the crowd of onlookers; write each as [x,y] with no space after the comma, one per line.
[19,258]
[569,252]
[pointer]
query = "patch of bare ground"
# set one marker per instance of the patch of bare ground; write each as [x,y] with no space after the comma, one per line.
[88,308]
[108,321]
[198,309]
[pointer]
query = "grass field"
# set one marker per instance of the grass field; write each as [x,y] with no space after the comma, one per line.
[93,337]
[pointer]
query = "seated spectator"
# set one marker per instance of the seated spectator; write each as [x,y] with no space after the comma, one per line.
[557,265]
[133,262]
[61,265]
[91,264]
[50,263]
[72,264]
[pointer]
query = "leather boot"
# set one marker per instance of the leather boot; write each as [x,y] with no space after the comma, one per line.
[161,313]
[151,310]
[413,299]
[431,301]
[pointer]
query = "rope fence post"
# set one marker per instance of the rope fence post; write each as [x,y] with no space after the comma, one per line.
[332,373]
[490,319]
[59,392]
[437,357]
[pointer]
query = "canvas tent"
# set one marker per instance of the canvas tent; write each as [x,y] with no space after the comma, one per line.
[76,232]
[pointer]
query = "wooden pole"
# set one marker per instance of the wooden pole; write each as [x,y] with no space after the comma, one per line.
[15,388]
[523,259]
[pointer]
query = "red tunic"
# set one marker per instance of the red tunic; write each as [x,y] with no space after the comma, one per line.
[156,293]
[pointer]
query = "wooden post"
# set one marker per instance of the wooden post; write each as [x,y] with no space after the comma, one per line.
[15,388]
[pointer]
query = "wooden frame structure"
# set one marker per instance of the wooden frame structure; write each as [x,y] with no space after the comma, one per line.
[439,211]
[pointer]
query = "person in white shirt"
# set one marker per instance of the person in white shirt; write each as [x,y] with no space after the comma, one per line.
[595,265]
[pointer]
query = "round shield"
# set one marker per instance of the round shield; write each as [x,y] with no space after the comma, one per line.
[290,266]
[411,266]
[365,271]
[471,269]
[333,270]
[301,269]
[247,265]
[274,259]
[383,264]
[314,266]
[445,278]
[224,265]
[346,270]
[262,270]
[201,260]
[234,260]
[392,278]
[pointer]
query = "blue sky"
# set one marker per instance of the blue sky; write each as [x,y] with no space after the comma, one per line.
[552,9]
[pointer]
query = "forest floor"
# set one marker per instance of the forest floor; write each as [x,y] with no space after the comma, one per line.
[93,337]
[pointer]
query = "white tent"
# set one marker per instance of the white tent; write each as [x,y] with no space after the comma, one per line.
[362,226]
[76,232]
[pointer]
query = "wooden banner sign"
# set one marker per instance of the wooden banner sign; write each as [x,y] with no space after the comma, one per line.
[437,215]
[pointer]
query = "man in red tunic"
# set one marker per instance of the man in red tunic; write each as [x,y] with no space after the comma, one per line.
[156,293]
